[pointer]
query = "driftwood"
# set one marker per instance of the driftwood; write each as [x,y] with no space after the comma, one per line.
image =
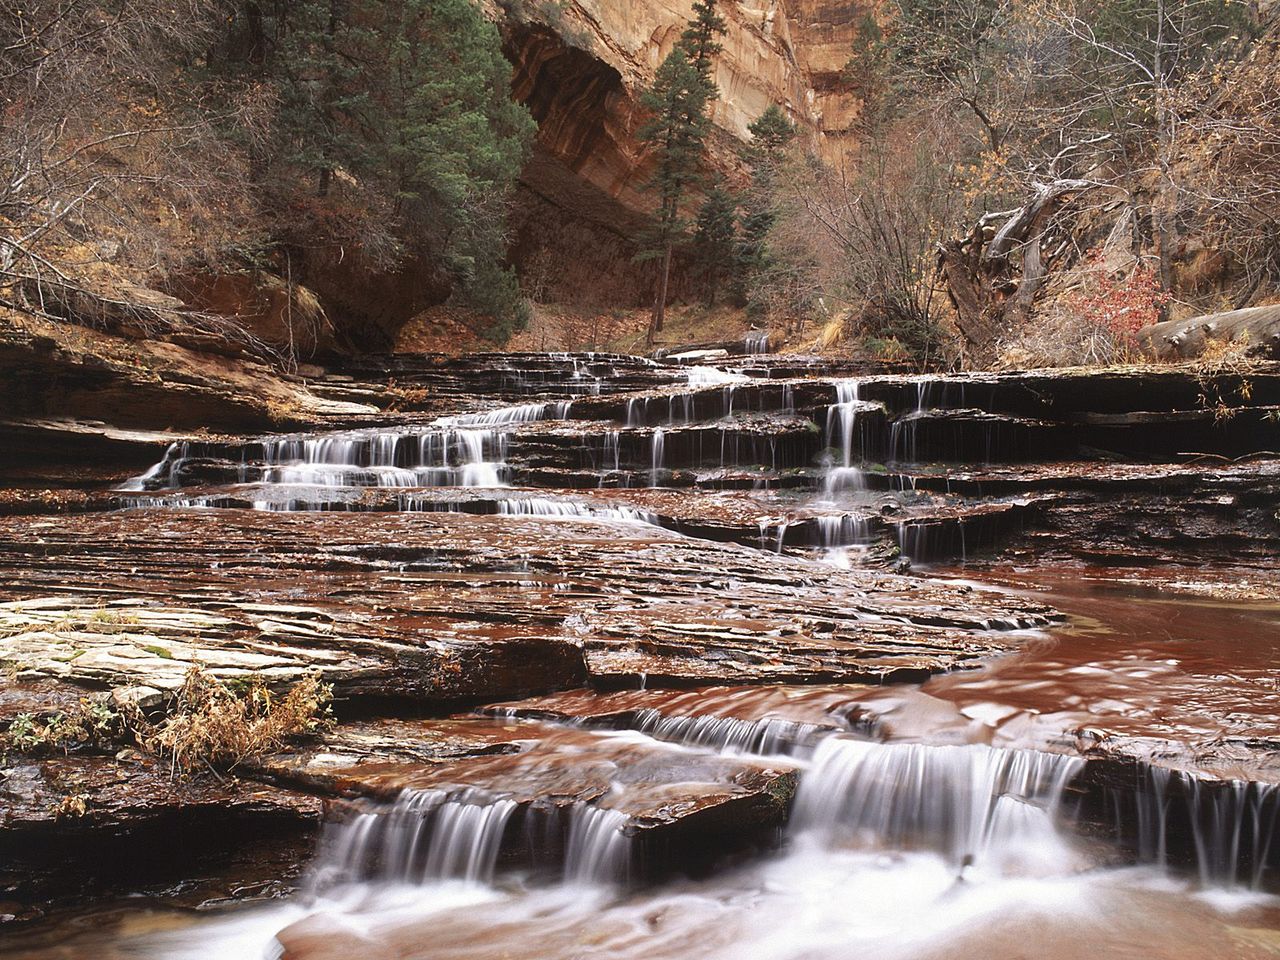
[989,293]
[137,312]
[1258,328]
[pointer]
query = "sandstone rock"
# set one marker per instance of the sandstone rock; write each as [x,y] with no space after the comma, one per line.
[71,825]
[441,607]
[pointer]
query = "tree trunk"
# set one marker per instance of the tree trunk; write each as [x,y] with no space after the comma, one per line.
[979,274]
[962,271]
[660,302]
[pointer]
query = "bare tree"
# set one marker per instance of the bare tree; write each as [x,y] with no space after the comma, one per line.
[97,159]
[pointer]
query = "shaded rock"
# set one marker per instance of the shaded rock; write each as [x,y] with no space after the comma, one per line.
[83,822]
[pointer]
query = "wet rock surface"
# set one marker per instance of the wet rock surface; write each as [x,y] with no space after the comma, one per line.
[83,824]
[535,537]
[451,607]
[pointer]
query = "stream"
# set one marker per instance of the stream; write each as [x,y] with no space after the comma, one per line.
[866,675]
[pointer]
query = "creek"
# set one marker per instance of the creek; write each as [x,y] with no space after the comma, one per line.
[885,666]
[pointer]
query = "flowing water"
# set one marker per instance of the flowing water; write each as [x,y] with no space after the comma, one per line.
[950,819]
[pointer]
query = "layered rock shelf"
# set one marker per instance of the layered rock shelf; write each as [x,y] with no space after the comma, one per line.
[599,619]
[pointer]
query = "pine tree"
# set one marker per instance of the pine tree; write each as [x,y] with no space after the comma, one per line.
[700,41]
[714,239]
[771,137]
[679,122]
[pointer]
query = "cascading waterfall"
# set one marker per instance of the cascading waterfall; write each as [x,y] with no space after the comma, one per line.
[469,450]
[1234,826]
[574,510]
[842,417]
[713,377]
[843,530]
[904,433]
[433,457]
[971,803]
[764,737]
[658,456]
[425,835]
[430,835]
[598,850]
[174,454]
[520,413]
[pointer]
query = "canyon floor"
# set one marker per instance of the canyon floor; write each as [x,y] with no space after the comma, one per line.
[731,653]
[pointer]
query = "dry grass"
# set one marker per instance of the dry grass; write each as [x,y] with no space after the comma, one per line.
[1223,372]
[209,725]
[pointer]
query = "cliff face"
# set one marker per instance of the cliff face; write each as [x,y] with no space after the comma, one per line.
[580,67]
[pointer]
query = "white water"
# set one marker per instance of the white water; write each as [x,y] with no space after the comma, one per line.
[713,377]
[1236,826]
[896,851]
[598,851]
[469,450]
[658,456]
[425,835]
[845,473]
[766,737]
[971,803]
[574,510]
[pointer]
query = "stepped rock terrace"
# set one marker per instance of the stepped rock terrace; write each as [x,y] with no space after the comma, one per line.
[630,651]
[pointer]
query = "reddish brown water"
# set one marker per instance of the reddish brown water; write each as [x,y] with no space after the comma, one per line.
[1133,661]
[1138,658]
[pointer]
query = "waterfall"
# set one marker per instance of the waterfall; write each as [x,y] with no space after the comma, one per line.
[842,417]
[659,444]
[598,849]
[435,456]
[430,835]
[572,509]
[520,413]
[764,737]
[468,450]
[1234,826]
[167,468]
[425,835]
[843,530]
[756,342]
[904,434]
[970,803]
[713,377]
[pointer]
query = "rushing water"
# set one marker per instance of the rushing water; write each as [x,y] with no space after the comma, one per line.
[895,850]
[951,824]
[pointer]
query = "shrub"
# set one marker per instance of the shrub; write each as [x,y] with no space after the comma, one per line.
[210,725]
[1113,306]
[91,723]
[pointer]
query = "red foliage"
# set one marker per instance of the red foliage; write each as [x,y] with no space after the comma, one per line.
[1120,305]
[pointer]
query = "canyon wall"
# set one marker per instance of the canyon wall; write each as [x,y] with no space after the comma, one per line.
[580,66]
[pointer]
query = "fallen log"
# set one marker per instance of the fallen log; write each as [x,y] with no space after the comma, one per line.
[1255,328]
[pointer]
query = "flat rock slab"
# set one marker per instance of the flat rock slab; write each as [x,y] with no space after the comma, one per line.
[441,607]
[529,762]
[352,759]
[68,821]
[674,804]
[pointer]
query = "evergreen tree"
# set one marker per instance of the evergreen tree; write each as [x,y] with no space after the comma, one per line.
[679,122]
[713,241]
[771,137]
[411,102]
[700,41]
